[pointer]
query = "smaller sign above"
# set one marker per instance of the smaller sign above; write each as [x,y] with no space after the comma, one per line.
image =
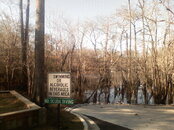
[65,101]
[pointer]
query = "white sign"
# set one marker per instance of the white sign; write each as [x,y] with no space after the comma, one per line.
[59,84]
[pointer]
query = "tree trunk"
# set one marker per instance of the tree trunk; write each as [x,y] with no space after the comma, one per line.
[95,98]
[23,51]
[108,96]
[39,52]
[28,85]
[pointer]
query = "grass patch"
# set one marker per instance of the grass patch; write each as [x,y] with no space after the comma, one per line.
[9,103]
[68,121]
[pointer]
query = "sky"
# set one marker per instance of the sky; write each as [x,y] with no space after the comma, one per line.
[83,9]
[73,9]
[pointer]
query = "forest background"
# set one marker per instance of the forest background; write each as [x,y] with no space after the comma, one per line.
[130,48]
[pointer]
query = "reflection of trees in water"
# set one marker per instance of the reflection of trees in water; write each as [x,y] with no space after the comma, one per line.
[116,98]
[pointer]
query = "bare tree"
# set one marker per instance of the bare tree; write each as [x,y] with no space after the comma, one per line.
[24,44]
[39,84]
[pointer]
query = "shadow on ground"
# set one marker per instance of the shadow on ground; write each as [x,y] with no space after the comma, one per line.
[103,125]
